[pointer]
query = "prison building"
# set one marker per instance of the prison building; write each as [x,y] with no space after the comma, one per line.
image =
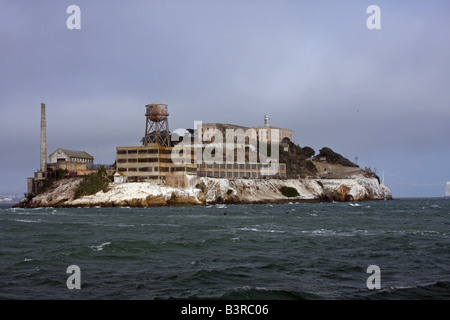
[240,171]
[258,133]
[153,162]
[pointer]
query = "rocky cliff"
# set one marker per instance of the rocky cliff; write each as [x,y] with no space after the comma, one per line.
[201,191]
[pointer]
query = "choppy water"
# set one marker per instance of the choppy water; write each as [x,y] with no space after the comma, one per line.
[285,251]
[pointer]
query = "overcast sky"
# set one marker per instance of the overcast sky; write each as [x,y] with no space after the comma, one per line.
[313,66]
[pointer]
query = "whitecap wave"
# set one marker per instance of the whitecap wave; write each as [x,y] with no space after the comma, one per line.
[260,230]
[27,220]
[100,247]
[339,233]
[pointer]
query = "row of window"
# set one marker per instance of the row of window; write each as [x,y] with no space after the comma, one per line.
[239,166]
[144,151]
[81,159]
[235,174]
[156,169]
[145,160]
[137,160]
[142,178]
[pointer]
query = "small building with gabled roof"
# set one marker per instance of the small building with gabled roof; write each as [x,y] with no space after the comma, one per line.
[74,161]
[61,155]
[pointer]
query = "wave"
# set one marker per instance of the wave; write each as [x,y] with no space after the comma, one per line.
[100,247]
[439,290]
[28,221]
[260,230]
[261,293]
[326,232]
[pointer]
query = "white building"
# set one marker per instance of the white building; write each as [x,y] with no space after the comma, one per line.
[119,177]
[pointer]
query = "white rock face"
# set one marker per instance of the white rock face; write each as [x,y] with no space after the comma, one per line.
[121,193]
[140,194]
[246,190]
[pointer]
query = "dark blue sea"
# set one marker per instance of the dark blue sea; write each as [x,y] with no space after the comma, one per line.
[233,252]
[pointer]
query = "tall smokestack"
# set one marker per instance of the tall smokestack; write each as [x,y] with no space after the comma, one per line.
[43,140]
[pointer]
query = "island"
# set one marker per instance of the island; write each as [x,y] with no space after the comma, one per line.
[214,163]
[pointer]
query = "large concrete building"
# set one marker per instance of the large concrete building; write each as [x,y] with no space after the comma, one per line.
[163,160]
[154,162]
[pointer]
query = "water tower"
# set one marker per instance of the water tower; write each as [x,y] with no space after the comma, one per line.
[157,125]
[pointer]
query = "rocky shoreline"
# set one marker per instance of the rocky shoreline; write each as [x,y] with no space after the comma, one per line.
[206,191]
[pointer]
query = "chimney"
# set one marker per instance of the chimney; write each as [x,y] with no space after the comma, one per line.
[43,140]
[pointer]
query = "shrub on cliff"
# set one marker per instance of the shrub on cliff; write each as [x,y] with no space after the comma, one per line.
[335,158]
[92,184]
[310,166]
[61,174]
[308,152]
[289,192]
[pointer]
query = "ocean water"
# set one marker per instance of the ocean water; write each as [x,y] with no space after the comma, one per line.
[255,252]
